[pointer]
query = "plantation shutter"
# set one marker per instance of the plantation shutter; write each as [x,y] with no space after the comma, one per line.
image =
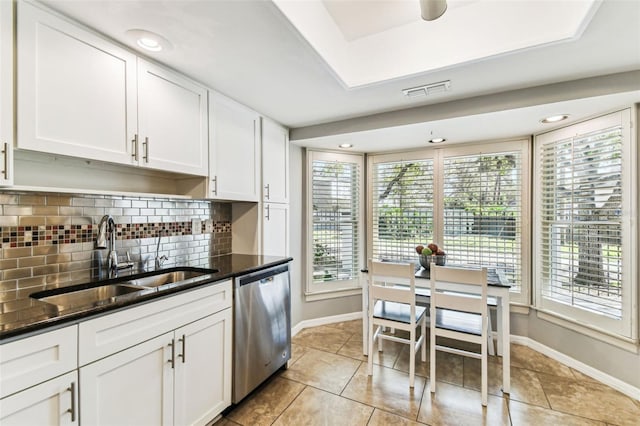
[335,198]
[402,200]
[581,221]
[483,212]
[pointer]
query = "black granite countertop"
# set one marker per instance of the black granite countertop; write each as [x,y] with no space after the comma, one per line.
[23,315]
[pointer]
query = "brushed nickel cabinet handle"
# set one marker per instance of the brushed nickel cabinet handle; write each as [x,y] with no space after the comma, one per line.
[5,156]
[268,209]
[134,143]
[267,191]
[146,150]
[72,410]
[183,355]
[172,345]
[215,185]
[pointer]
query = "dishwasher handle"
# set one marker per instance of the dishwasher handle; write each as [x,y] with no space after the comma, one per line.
[262,277]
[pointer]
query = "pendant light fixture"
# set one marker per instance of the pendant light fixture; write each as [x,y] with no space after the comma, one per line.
[431,10]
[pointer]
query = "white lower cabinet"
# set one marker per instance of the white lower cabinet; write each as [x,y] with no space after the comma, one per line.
[53,402]
[182,377]
[134,386]
[203,369]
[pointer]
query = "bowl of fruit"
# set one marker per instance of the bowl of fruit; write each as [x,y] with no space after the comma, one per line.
[431,254]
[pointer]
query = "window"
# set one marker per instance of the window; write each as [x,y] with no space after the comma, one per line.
[335,227]
[483,211]
[471,201]
[584,206]
[402,196]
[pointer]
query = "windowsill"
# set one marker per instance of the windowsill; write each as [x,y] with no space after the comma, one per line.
[629,345]
[333,294]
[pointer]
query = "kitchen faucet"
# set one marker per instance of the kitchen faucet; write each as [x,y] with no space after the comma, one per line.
[108,226]
[160,259]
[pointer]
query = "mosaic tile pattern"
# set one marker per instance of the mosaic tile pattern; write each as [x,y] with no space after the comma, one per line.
[28,236]
[49,238]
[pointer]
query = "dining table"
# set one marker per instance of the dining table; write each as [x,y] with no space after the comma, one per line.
[498,288]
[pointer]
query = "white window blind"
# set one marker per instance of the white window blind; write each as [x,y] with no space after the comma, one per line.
[483,212]
[335,187]
[581,221]
[402,200]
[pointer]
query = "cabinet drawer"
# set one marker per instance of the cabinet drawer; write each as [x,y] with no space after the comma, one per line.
[27,362]
[111,333]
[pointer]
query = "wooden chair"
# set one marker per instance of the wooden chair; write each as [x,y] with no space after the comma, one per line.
[471,312]
[392,303]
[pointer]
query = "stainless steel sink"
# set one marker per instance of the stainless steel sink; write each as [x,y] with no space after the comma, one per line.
[168,279]
[90,297]
[77,298]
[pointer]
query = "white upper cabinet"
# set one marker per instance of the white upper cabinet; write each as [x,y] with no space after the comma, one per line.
[234,163]
[172,113]
[6,93]
[76,91]
[275,162]
[275,229]
[80,95]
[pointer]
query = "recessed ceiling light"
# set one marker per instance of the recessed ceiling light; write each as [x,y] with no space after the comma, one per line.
[437,140]
[149,40]
[555,118]
[149,44]
[345,145]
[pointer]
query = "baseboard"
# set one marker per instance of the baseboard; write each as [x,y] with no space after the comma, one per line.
[608,380]
[324,321]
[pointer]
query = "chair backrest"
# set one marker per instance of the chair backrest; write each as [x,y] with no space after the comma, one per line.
[393,282]
[471,298]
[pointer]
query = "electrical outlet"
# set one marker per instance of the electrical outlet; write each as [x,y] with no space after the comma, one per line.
[196,226]
[208,226]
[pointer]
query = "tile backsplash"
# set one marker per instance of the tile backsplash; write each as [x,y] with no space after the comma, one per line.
[49,238]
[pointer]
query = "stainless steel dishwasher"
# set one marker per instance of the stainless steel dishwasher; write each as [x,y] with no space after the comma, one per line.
[262,327]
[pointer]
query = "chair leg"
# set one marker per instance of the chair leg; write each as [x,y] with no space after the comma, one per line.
[380,339]
[424,340]
[412,357]
[484,373]
[370,356]
[492,351]
[432,360]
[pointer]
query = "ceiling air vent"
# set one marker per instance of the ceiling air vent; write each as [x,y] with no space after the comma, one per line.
[428,89]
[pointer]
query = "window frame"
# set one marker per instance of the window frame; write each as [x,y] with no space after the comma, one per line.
[337,288]
[374,159]
[627,328]
[438,155]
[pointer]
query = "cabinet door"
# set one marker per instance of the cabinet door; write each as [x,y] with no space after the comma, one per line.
[275,162]
[6,93]
[234,167]
[203,369]
[132,387]
[52,403]
[76,91]
[173,121]
[275,230]
[32,360]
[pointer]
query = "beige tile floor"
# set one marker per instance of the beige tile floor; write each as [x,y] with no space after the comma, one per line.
[327,384]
